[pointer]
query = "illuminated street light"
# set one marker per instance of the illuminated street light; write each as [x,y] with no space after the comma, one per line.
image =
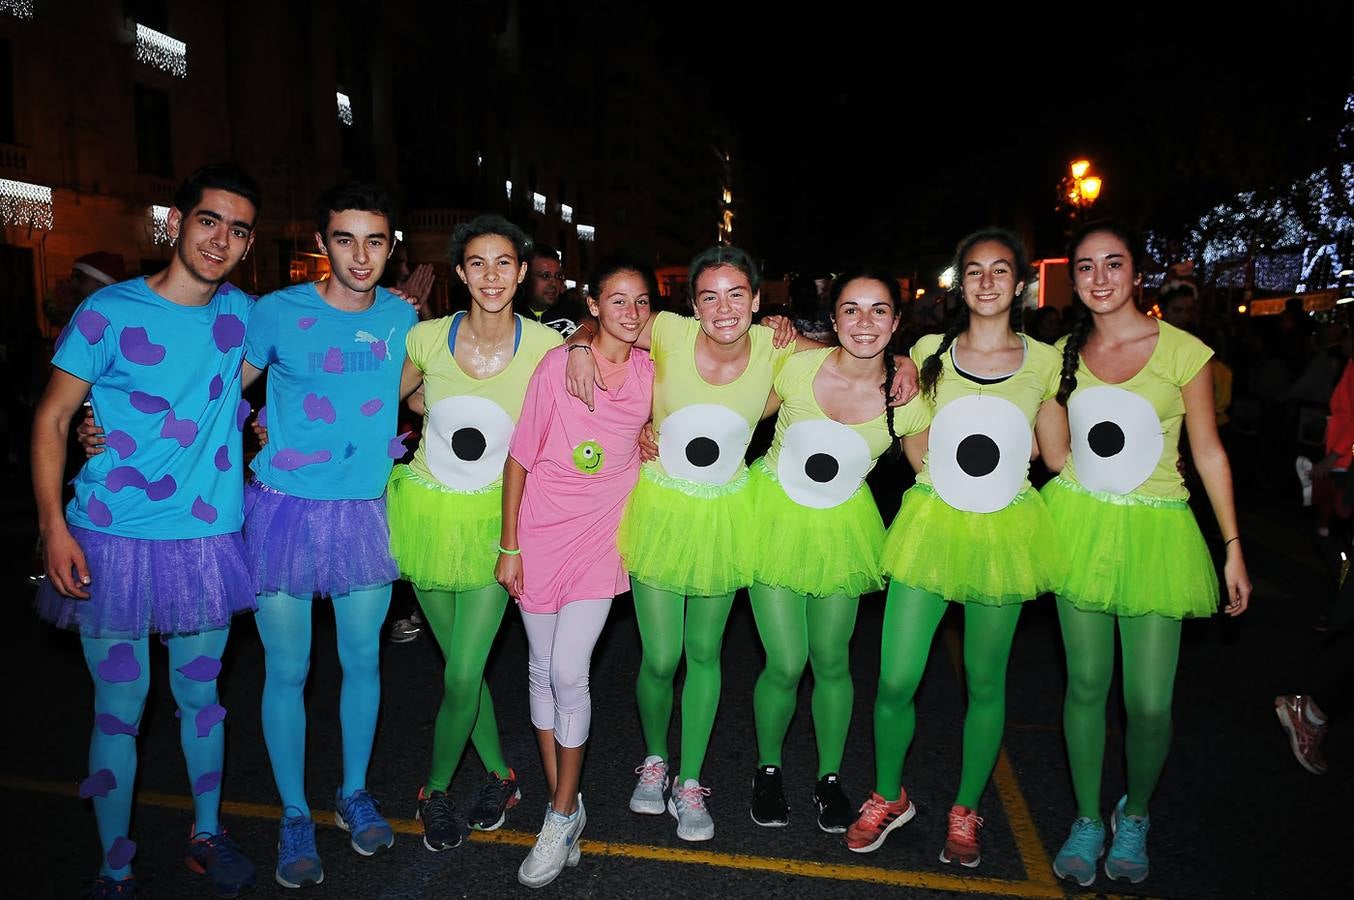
[1080,189]
[1080,168]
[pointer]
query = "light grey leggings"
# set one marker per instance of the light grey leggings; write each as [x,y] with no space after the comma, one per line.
[558,660]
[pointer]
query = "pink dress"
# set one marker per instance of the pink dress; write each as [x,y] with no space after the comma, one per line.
[582,466]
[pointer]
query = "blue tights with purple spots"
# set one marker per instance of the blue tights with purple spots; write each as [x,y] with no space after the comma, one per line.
[121,673]
[284,627]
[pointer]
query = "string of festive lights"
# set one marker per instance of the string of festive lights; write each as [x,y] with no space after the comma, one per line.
[161,51]
[25,204]
[159,218]
[345,108]
[19,9]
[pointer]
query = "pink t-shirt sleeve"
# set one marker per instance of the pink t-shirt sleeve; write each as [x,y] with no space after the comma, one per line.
[528,436]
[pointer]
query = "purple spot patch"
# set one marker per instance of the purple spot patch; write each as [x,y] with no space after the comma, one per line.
[120,666]
[289,460]
[137,347]
[148,403]
[91,325]
[203,668]
[372,407]
[226,289]
[98,784]
[204,511]
[162,489]
[241,414]
[99,513]
[263,416]
[208,717]
[305,323]
[121,853]
[223,458]
[111,724]
[228,332]
[396,449]
[122,442]
[214,389]
[125,476]
[182,430]
[318,407]
[207,783]
[333,361]
[378,350]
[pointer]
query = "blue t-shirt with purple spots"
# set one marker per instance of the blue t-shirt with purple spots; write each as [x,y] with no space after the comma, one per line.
[165,387]
[333,392]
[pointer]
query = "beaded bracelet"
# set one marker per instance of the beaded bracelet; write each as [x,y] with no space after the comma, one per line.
[507,552]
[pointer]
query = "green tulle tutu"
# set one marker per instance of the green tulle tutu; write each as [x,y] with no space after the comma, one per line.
[1008,556]
[1130,554]
[686,537]
[819,552]
[443,540]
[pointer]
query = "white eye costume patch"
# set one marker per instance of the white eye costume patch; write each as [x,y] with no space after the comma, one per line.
[822,463]
[466,442]
[979,453]
[1116,438]
[704,443]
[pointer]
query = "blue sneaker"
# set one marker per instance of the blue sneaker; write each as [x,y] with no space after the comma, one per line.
[218,857]
[1081,851]
[105,888]
[298,862]
[1127,858]
[360,816]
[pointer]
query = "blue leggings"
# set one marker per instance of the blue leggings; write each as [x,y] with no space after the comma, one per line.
[121,672]
[284,627]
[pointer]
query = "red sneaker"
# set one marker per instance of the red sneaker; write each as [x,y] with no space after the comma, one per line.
[877,818]
[961,843]
[1303,735]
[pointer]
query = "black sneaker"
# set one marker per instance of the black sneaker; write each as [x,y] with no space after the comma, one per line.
[490,804]
[769,809]
[437,812]
[835,813]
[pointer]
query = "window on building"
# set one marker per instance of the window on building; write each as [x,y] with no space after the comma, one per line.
[153,147]
[6,94]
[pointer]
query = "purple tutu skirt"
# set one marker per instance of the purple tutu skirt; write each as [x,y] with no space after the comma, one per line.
[305,547]
[139,587]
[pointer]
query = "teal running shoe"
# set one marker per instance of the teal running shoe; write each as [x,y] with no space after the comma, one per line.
[1081,851]
[1127,858]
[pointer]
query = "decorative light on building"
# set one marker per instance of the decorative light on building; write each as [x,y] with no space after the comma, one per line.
[25,204]
[399,235]
[161,51]
[507,186]
[345,108]
[538,202]
[159,219]
[947,278]
[566,213]
[587,233]
[728,196]
[20,9]
[570,284]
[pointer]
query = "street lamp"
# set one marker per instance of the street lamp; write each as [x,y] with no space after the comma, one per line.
[1081,188]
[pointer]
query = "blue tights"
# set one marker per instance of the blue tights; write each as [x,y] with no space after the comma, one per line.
[121,672]
[284,627]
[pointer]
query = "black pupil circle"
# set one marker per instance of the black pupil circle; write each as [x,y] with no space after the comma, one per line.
[821,467]
[977,455]
[468,443]
[702,452]
[1106,439]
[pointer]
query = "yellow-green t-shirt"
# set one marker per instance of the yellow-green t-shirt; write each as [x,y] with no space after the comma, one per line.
[704,429]
[818,461]
[978,458]
[1126,436]
[469,421]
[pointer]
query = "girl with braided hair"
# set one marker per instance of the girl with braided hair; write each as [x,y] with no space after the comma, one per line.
[970,531]
[810,569]
[1139,560]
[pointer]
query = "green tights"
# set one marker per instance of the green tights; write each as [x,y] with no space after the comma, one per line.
[910,621]
[465,624]
[795,630]
[668,624]
[1151,647]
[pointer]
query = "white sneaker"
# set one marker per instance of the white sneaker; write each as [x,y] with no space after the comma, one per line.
[1304,468]
[648,795]
[405,630]
[556,846]
[687,805]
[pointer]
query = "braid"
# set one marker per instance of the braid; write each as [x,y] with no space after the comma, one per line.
[932,366]
[895,447]
[1072,354]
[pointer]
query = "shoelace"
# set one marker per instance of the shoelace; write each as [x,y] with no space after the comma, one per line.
[550,836]
[110,888]
[228,853]
[296,837]
[437,812]
[362,811]
[966,825]
[651,774]
[495,791]
[873,811]
[693,797]
[1086,837]
[1131,836]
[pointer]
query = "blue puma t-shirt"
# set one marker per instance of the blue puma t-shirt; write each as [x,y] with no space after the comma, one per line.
[333,392]
[165,387]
